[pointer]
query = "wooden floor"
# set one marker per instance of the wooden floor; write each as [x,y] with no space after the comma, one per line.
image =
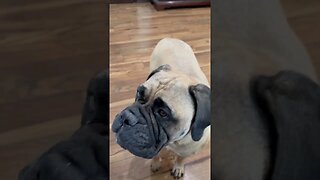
[49,51]
[134,31]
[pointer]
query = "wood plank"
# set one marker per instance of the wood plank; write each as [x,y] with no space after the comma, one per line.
[37,110]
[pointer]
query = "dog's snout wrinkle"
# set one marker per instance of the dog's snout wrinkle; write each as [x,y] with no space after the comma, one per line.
[117,124]
[130,118]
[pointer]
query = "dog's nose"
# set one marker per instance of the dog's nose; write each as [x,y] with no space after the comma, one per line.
[126,117]
[129,118]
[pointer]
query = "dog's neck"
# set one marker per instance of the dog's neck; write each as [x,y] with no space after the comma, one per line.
[187,146]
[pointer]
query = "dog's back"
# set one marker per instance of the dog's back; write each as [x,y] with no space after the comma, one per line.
[179,56]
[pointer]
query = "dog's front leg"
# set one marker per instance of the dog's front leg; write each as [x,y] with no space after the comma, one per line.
[178,168]
[156,161]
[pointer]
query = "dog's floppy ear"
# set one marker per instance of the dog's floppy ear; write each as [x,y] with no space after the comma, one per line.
[201,96]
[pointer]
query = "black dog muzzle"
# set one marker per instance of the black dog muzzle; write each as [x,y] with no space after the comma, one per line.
[137,131]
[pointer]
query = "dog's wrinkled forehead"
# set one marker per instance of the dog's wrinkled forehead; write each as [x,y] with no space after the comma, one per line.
[164,79]
[172,87]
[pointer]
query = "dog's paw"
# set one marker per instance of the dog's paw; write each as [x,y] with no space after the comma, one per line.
[155,165]
[177,171]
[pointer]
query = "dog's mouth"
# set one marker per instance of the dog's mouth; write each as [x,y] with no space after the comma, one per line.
[137,131]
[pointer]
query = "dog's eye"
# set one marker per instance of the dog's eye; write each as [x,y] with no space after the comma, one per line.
[162,113]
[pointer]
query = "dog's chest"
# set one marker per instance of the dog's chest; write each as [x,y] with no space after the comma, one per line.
[187,146]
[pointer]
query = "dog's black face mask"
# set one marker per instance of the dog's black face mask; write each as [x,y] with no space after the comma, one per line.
[138,131]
